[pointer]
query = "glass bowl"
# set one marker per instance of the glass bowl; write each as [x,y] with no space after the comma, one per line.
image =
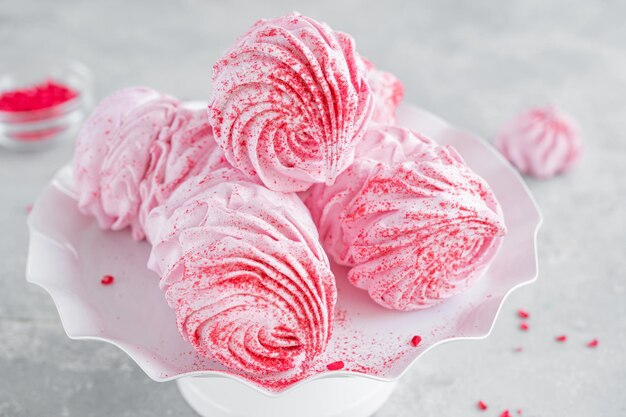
[36,129]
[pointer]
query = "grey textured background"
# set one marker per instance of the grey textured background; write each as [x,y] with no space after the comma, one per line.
[476,63]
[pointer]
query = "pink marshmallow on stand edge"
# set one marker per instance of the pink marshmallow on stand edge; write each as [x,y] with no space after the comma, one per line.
[113,153]
[413,222]
[244,270]
[541,142]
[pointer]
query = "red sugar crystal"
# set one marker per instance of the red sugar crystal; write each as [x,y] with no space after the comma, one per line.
[107,280]
[481,405]
[523,314]
[561,338]
[416,340]
[505,413]
[523,326]
[335,366]
[41,96]
[593,343]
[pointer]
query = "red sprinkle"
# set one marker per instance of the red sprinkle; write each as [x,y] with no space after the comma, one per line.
[523,326]
[416,340]
[482,405]
[518,349]
[335,366]
[28,208]
[561,338]
[593,343]
[41,96]
[505,413]
[523,314]
[519,411]
[107,280]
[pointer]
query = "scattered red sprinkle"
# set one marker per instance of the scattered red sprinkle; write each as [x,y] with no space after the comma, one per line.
[482,405]
[107,280]
[38,97]
[561,338]
[416,340]
[518,349]
[593,343]
[335,366]
[28,208]
[519,411]
[505,413]
[523,314]
[523,326]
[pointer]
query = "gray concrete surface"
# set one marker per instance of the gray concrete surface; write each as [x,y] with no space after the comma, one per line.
[476,63]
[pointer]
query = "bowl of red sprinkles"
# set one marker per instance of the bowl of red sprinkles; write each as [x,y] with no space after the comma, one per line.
[43,103]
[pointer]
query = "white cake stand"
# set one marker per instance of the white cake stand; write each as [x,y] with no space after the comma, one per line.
[68,255]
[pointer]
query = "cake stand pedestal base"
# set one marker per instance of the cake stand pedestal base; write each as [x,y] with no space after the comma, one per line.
[342,396]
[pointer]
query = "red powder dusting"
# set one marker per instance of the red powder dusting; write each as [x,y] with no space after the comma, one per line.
[481,405]
[593,343]
[561,338]
[335,366]
[41,96]
[505,413]
[416,340]
[523,314]
[107,280]
[523,326]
